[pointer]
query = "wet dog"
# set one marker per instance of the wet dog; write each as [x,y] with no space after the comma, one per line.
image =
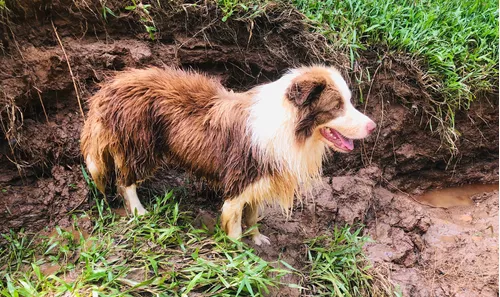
[261,146]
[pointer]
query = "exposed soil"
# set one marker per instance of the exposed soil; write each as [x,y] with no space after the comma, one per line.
[427,251]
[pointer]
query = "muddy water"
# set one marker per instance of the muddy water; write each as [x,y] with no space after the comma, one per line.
[456,196]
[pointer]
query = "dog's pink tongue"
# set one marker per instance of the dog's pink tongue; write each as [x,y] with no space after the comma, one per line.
[348,143]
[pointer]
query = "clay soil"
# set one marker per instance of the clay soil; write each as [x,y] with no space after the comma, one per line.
[426,251]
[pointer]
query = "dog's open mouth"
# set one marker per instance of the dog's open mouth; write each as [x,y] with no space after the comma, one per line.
[336,139]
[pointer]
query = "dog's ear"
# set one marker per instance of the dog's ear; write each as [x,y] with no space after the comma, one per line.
[304,91]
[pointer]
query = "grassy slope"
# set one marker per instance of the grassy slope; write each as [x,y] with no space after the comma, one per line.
[457,40]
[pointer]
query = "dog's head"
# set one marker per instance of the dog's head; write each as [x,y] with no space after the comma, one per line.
[324,109]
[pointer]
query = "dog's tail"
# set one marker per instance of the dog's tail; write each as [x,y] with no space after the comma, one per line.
[95,149]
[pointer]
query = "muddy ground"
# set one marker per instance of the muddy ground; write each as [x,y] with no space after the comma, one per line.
[427,251]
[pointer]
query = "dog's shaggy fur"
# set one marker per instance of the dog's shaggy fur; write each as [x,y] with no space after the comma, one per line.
[260,146]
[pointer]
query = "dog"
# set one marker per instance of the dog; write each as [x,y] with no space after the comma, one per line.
[262,146]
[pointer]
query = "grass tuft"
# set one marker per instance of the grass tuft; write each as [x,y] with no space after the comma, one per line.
[248,9]
[162,254]
[338,267]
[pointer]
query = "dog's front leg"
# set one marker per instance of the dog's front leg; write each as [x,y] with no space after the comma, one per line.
[132,200]
[231,216]
[251,218]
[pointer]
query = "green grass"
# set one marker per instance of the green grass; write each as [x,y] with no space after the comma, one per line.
[159,254]
[457,40]
[339,267]
[247,9]
[162,254]
[334,264]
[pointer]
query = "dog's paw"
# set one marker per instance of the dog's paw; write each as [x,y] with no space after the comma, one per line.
[259,239]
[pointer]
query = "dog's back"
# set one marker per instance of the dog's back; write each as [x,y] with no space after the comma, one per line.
[144,118]
[132,117]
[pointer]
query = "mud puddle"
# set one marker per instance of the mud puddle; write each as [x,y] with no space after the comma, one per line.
[455,196]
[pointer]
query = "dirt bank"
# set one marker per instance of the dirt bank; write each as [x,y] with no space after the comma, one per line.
[40,164]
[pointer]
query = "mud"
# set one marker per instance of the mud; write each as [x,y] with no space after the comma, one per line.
[439,255]
[424,250]
[428,251]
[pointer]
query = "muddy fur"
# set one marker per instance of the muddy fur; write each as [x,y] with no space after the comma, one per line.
[146,118]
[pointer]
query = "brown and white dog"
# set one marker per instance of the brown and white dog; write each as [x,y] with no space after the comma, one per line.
[261,146]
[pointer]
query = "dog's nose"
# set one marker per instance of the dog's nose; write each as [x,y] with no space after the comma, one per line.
[370,127]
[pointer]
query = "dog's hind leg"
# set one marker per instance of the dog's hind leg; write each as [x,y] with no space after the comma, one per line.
[131,199]
[251,218]
[231,216]
[97,172]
